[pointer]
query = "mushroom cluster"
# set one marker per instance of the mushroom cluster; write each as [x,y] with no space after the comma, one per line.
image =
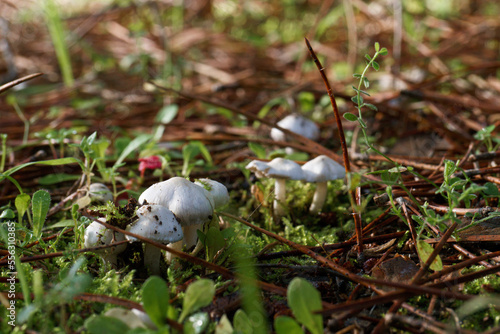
[192,204]
[319,170]
[171,212]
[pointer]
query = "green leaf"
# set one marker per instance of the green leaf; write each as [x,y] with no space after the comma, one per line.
[371,106]
[105,325]
[377,46]
[54,162]
[40,207]
[491,189]
[198,294]
[357,99]
[356,75]
[22,203]
[155,299]
[56,178]
[424,251]
[375,66]
[241,322]
[258,150]
[366,82]
[132,146]
[304,300]
[287,325]
[350,117]
[196,323]
[383,52]
[167,113]
[7,214]
[214,242]
[367,56]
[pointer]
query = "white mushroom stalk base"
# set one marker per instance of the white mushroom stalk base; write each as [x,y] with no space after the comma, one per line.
[279,198]
[319,198]
[152,257]
[190,239]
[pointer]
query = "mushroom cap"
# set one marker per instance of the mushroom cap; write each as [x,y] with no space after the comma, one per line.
[216,189]
[98,235]
[258,168]
[157,223]
[100,192]
[298,124]
[191,204]
[284,169]
[322,169]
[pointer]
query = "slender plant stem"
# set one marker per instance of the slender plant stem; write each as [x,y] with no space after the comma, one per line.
[345,153]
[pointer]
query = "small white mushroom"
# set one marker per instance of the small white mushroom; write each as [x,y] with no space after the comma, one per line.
[159,224]
[281,170]
[321,170]
[258,168]
[216,189]
[128,317]
[99,192]
[297,124]
[98,235]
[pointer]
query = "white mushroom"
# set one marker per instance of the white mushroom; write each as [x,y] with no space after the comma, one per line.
[216,189]
[192,205]
[258,168]
[98,235]
[282,170]
[98,192]
[297,124]
[159,224]
[321,170]
[128,317]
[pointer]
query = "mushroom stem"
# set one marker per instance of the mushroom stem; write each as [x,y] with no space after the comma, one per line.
[175,245]
[319,198]
[279,197]
[152,257]
[190,235]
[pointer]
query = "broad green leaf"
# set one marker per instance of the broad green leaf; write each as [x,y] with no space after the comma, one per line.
[105,325]
[383,52]
[304,300]
[357,99]
[367,56]
[40,207]
[167,113]
[258,150]
[214,242]
[198,294]
[155,299]
[375,66]
[241,323]
[377,46]
[287,325]
[350,117]
[22,203]
[424,251]
[196,323]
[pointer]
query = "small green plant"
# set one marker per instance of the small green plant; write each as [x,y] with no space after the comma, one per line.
[155,299]
[305,301]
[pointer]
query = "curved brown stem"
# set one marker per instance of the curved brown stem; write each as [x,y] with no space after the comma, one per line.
[345,153]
